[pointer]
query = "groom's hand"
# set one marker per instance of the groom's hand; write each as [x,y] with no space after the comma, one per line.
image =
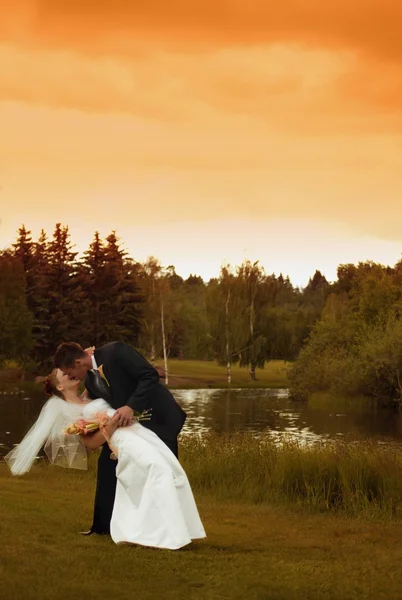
[125,416]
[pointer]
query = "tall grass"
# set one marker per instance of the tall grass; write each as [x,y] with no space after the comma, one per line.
[353,478]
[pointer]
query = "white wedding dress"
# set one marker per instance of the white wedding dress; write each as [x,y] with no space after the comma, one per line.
[154,505]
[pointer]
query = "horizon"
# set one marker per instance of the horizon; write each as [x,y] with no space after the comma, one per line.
[186,268]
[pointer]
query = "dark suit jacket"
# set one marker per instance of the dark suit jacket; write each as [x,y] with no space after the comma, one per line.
[134,382]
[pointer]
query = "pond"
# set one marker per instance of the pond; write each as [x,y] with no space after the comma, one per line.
[267,412]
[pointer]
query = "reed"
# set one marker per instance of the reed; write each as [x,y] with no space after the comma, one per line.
[355,478]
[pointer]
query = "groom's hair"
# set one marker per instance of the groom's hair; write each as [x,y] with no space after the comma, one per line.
[66,355]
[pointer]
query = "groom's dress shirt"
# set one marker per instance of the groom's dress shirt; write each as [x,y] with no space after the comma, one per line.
[94,365]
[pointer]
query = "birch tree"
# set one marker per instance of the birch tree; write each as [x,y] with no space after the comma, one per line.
[251,277]
[226,312]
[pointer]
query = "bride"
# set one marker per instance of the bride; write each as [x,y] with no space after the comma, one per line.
[154,505]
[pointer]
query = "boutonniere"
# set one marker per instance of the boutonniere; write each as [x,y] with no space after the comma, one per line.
[101,373]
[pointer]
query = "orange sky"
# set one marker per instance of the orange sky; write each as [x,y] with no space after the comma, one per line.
[206,132]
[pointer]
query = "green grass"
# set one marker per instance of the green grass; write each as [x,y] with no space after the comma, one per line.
[188,374]
[253,551]
[197,373]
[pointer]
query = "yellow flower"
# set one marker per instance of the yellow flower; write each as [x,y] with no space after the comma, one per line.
[101,373]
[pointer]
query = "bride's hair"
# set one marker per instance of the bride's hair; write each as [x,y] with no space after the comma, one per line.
[50,384]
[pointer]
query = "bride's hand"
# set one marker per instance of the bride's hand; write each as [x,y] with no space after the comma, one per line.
[90,350]
[113,424]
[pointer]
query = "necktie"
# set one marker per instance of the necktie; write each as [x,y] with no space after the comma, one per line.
[100,385]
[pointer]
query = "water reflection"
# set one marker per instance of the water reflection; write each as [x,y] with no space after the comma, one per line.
[263,412]
[270,412]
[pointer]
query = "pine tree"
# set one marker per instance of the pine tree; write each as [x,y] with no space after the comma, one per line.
[114,297]
[15,317]
[39,297]
[33,258]
[63,300]
[93,278]
[23,250]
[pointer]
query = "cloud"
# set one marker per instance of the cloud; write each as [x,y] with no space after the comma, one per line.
[372,27]
[67,80]
[376,85]
[287,109]
[306,92]
[163,84]
[310,67]
[232,166]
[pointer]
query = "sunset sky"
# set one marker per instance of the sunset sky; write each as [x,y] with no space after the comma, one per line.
[204,131]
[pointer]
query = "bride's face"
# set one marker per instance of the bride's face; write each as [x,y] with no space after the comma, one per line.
[66,382]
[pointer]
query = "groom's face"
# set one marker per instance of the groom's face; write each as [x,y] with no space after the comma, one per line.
[79,369]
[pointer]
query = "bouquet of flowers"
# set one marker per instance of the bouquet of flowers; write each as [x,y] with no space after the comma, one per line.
[82,426]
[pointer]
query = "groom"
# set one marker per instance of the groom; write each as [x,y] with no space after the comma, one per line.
[125,379]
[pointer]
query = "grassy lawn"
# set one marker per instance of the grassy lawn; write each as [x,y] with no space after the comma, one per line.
[283,522]
[187,374]
[196,374]
[252,551]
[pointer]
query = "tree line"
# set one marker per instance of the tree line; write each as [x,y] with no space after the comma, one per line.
[344,337]
[355,347]
[48,295]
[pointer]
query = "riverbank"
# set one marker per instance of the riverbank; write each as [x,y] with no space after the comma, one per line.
[193,374]
[258,552]
[187,374]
